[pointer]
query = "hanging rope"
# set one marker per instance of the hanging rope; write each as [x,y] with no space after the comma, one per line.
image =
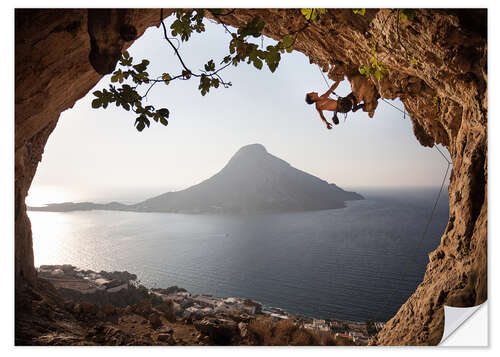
[443,155]
[326,82]
[392,105]
[419,245]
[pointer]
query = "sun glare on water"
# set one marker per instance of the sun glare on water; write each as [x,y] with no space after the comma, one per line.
[48,244]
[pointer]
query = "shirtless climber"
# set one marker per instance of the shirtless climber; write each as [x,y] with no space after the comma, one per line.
[341,105]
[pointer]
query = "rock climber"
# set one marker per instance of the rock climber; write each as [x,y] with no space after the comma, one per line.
[341,105]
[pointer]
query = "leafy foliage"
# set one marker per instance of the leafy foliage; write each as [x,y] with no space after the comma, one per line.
[131,76]
[407,14]
[127,96]
[375,68]
[187,22]
[311,14]
[240,49]
[436,103]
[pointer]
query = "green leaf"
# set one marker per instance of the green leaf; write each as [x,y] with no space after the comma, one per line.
[407,14]
[163,121]
[141,67]
[311,14]
[307,13]
[252,28]
[117,76]
[140,126]
[126,60]
[365,69]
[287,41]
[210,66]
[96,103]
[359,11]
[164,112]
[166,77]
[257,63]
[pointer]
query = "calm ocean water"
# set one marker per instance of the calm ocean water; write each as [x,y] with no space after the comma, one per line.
[345,263]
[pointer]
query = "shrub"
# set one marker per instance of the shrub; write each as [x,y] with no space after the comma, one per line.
[167,308]
[263,331]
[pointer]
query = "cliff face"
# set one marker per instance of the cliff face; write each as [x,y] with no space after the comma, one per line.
[53,70]
[437,68]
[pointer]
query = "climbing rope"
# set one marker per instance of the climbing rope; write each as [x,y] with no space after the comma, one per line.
[392,105]
[443,155]
[429,220]
[419,245]
[326,82]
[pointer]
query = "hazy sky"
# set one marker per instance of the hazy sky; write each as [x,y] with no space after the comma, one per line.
[99,155]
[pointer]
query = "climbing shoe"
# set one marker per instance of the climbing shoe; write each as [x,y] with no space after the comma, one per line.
[335,119]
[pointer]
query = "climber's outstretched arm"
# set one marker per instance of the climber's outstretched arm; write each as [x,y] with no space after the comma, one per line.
[328,125]
[329,91]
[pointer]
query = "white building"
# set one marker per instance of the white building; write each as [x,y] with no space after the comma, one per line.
[57,272]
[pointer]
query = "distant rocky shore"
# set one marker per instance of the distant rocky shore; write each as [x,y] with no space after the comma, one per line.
[119,310]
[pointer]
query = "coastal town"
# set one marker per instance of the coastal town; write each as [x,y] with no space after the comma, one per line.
[121,290]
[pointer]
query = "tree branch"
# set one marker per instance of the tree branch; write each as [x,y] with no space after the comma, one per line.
[171,44]
[220,21]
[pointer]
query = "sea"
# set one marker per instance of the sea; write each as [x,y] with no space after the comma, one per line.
[356,263]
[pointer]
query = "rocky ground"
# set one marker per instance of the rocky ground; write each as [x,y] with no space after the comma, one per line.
[80,307]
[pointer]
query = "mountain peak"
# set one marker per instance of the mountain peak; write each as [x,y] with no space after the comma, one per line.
[252,152]
[252,148]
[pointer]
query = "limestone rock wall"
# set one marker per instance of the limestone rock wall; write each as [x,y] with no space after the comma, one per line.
[437,68]
[53,51]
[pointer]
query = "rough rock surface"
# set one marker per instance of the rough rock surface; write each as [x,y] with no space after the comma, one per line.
[437,68]
[220,332]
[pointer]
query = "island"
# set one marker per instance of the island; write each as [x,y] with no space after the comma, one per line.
[252,182]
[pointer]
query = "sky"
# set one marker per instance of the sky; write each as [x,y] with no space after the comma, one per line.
[98,155]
